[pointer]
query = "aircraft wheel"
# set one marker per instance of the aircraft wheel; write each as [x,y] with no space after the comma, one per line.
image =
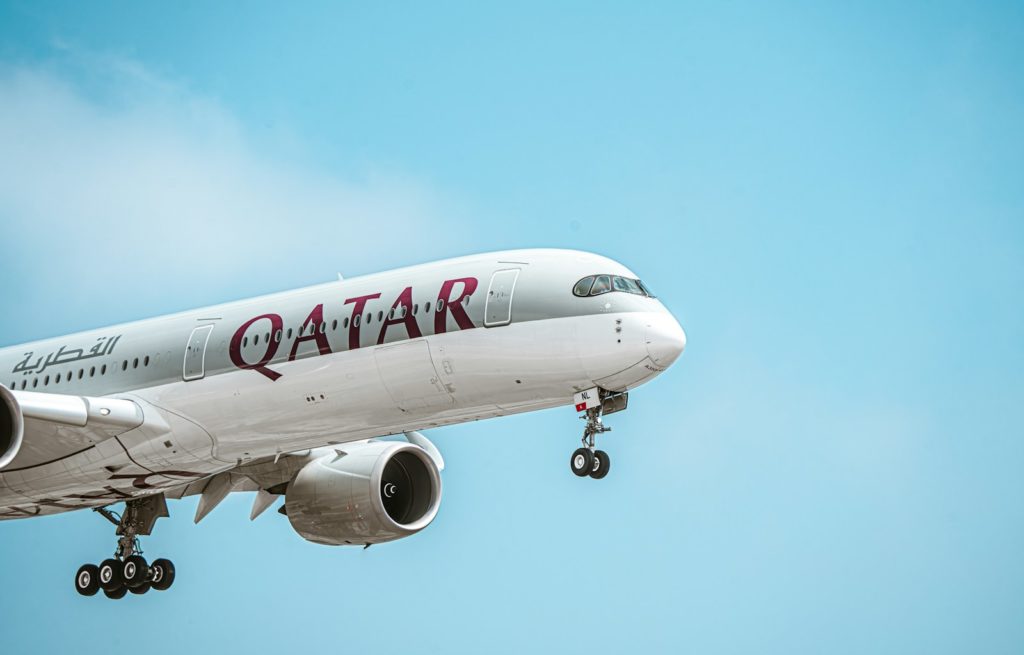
[162,574]
[87,580]
[582,462]
[110,575]
[134,572]
[141,589]
[115,593]
[601,465]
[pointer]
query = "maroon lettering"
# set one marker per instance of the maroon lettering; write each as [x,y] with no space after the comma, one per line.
[357,310]
[446,303]
[235,349]
[316,317]
[401,312]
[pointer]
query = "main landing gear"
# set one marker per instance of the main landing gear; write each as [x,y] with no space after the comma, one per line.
[127,571]
[588,460]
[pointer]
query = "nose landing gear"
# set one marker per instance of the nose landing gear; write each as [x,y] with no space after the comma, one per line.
[588,460]
[127,570]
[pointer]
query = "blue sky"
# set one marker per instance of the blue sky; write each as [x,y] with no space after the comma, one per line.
[829,196]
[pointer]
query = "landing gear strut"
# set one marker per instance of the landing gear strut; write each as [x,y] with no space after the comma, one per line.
[588,461]
[127,570]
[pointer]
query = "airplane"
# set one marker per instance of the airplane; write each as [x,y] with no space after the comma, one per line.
[319,396]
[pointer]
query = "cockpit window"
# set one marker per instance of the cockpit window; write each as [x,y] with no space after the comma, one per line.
[627,285]
[595,285]
[603,284]
[582,287]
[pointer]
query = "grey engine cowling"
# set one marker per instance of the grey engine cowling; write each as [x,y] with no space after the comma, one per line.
[364,494]
[12,427]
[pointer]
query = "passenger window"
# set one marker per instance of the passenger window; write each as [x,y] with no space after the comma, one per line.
[426,307]
[103,370]
[344,323]
[145,362]
[582,287]
[81,372]
[334,325]
[355,321]
[277,336]
[416,308]
[380,316]
[440,306]
[602,284]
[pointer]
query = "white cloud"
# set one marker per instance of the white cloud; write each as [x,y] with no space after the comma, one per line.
[136,184]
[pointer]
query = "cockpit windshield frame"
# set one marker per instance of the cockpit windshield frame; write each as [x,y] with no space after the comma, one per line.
[601,283]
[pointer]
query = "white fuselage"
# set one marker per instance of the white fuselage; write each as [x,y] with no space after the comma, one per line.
[421,347]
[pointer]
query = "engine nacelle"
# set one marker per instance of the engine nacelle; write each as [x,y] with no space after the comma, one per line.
[366,493]
[12,427]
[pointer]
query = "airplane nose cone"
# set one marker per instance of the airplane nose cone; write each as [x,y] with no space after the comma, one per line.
[665,339]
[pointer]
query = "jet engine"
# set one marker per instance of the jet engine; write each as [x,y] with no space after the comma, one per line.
[12,427]
[365,493]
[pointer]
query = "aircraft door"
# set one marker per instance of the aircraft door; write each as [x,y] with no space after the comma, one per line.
[498,309]
[195,353]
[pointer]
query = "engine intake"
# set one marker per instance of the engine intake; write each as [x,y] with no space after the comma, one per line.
[365,494]
[12,427]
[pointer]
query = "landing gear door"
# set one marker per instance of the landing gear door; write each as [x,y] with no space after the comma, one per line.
[498,310]
[195,353]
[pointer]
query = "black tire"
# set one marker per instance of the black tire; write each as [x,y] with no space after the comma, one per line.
[162,573]
[134,572]
[141,589]
[581,462]
[115,594]
[110,575]
[601,465]
[87,580]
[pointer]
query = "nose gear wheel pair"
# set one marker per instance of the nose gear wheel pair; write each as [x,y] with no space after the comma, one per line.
[588,460]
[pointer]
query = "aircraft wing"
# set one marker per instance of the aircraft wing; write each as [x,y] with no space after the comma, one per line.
[45,427]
